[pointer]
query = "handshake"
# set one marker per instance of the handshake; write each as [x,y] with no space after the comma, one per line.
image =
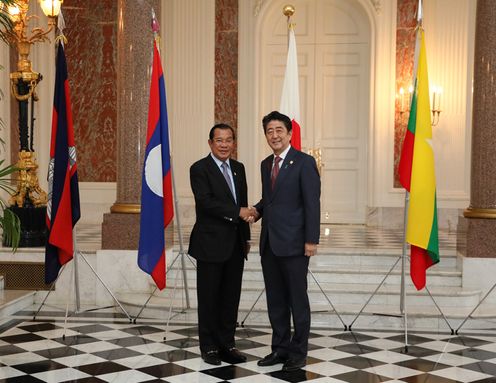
[249,214]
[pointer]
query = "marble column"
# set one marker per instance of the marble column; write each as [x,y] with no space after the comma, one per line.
[480,216]
[226,62]
[405,51]
[120,228]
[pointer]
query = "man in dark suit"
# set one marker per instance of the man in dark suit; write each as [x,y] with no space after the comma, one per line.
[290,211]
[219,242]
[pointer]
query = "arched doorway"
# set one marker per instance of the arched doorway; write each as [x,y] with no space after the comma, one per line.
[334,43]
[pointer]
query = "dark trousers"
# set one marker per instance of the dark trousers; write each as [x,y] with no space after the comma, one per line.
[218,291]
[286,288]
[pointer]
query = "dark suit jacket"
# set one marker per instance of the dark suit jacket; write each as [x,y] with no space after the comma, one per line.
[218,226]
[291,212]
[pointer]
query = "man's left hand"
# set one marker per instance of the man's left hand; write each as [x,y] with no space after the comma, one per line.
[310,249]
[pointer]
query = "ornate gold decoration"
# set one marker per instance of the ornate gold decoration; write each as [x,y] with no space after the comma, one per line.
[126,208]
[20,38]
[472,212]
[317,154]
[27,184]
[23,89]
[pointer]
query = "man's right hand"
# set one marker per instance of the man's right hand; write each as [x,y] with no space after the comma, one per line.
[248,214]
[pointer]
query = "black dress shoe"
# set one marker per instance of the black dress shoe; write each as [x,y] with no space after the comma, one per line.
[272,359]
[293,364]
[211,357]
[232,355]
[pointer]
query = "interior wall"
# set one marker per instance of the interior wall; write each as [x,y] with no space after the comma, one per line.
[188,46]
[382,19]
[188,41]
[449,34]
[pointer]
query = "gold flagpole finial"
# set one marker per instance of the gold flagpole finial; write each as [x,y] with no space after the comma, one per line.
[288,11]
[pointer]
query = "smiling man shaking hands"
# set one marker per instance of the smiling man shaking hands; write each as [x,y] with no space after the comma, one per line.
[219,242]
[290,211]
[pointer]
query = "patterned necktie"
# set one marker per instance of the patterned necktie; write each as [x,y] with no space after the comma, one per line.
[275,171]
[228,179]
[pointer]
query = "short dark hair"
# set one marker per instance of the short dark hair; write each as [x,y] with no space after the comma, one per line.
[276,116]
[220,126]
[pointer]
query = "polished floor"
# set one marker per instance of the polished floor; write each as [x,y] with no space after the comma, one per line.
[102,346]
[106,347]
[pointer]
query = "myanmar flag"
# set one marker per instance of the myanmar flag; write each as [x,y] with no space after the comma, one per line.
[416,172]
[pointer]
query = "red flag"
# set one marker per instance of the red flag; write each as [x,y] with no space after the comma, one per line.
[290,97]
[157,208]
[63,210]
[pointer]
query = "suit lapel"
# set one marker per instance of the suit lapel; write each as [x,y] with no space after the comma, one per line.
[266,170]
[217,174]
[284,170]
[235,174]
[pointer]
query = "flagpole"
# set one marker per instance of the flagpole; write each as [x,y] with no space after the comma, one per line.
[176,201]
[74,208]
[179,233]
[76,273]
[182,253]
[403,310]
[289,11]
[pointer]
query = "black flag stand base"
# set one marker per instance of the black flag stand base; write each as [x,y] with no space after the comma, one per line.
[78,254]
[242,324]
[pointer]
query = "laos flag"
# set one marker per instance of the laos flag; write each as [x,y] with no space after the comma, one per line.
[156,187]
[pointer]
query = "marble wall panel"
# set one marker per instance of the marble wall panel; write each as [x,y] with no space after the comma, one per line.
[226,62]
[405,51]
[91,58]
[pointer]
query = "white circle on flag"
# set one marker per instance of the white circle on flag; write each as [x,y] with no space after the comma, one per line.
[153,171]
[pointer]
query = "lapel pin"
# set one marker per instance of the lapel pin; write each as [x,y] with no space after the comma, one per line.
[235,173]
[291,162]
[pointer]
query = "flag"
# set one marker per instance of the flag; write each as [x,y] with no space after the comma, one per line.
[290,97]
[156,186]
[416,173]
[63,209]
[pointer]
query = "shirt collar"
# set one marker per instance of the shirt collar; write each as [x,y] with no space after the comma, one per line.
[284,153]
[219,162]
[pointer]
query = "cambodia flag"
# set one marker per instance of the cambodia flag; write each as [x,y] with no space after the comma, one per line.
[63,209]
[157,208]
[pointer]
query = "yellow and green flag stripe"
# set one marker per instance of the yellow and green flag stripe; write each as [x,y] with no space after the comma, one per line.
[416,173]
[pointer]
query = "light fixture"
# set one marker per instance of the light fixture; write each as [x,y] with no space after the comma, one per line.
[437,91]
[51,8]
[28,201]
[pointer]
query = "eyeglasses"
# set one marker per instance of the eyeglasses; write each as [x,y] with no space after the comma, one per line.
[219,141]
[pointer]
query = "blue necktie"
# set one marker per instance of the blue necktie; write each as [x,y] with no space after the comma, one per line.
[228,179]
